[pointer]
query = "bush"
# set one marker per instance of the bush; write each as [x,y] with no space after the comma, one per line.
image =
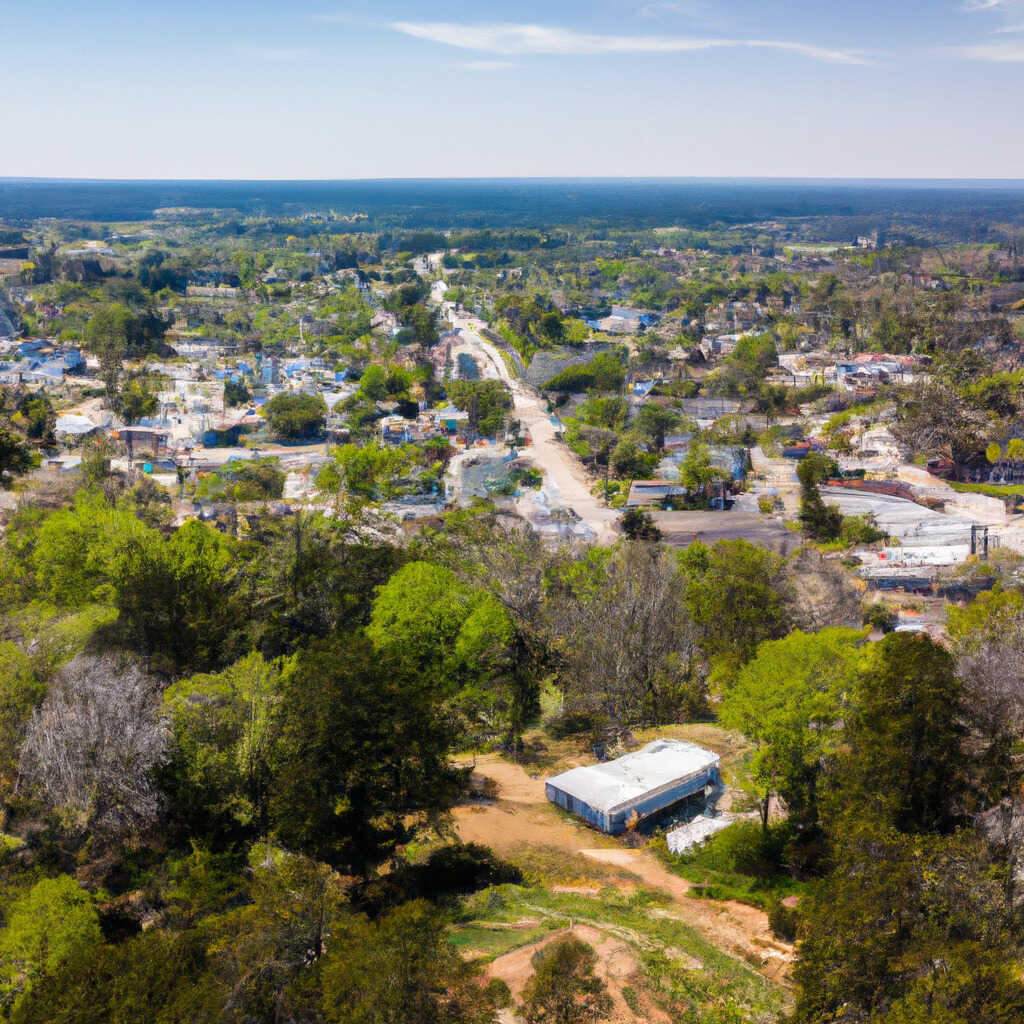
[604,372]
[783,920]
[746,848]
[880,617]
[638,525]
[572,380]
[572,723]
[293,415]
[451,871]
[860,530]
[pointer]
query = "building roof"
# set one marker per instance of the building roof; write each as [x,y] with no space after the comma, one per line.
[75,423]
[614,784]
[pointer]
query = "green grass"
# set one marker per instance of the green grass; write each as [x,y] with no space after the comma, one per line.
[680,970]
[713,869]
[1014,490]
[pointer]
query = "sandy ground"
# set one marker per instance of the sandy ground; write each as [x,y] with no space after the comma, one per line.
[522,816]
[616,966]
[565,477]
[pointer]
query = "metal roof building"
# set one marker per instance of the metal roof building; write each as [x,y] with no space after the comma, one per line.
[643,783]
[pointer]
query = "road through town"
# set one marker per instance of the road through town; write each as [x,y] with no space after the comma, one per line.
[564,477]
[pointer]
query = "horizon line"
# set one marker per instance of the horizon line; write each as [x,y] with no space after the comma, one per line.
[34,179]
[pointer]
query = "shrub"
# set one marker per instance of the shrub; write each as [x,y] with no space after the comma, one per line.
[747,849]
[293,415]
[860,530]
[783,920]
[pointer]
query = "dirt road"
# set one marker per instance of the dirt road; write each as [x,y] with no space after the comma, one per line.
[565,479]
[522,817]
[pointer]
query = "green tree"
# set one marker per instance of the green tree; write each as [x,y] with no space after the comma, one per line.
[294,416]
[734,598]
[908,930]
[53,922]
[790,699]
[136,400]
[698,473]
[263,956]
[819,521]
[225,728]
[15,457]
[401,968]
[373,382]
[655,421]
[487,401]
[21,691]
[236,393]
[639,525]
[564,988]
[628,461]
[76,551]
[419,613]
[108,335]
[363,755]
[551,327]
[175,596]
[905,761]
[115,333]
[362,471]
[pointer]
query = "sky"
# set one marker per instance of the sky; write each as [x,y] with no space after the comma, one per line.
[396,89]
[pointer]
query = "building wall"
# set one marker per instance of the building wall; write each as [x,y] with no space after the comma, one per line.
[644,807]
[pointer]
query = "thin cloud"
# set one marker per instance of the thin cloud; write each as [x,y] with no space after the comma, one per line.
[516,40]
[489,65]
[334,18]
[687,9]
[988,5]
[1009,28]
[1011,52]
[276,53]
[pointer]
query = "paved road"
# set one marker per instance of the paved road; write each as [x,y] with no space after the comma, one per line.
[565,479]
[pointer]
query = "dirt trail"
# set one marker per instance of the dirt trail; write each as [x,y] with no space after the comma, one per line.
[522,816]
[616,966]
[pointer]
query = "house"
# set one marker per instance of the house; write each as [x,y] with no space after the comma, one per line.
[141,439]
[619,794]
[644,493]
[450,419]
[73,428]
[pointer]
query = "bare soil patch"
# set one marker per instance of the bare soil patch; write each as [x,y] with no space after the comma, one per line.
[617,966]
[521,824]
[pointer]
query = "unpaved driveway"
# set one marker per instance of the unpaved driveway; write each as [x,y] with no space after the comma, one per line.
[522,817]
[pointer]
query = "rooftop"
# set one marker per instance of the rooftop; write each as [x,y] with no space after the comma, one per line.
[608,786]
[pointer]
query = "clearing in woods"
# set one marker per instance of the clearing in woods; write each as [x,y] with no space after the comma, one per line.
[521,824]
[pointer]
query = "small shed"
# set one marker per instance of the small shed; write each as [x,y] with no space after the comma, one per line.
[633,787]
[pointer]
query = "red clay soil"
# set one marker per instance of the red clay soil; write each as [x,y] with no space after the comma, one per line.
[521,817]
[617,966]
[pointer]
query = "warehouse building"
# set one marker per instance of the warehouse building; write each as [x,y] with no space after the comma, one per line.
[613,795]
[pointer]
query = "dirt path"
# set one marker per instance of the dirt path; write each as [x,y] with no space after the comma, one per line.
[616,966]
[522,817]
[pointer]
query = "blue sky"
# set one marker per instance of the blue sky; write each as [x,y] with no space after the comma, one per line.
[904,88]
